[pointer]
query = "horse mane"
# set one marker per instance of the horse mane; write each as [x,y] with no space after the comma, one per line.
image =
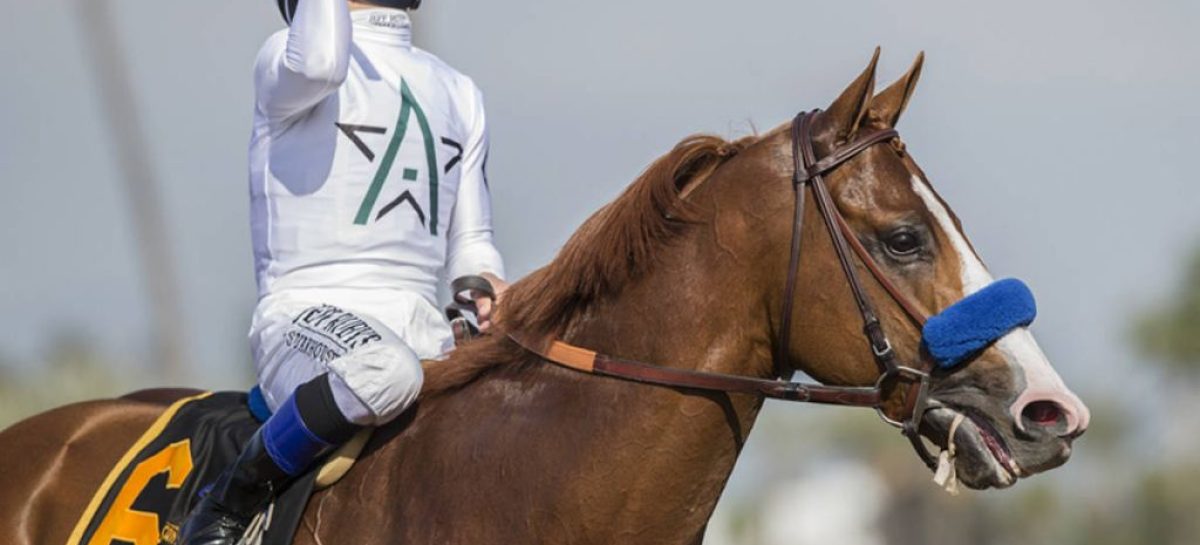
[615,246]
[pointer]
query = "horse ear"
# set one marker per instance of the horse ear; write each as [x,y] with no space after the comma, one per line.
[889,104]
[844,115]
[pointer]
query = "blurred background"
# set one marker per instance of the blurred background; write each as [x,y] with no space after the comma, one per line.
[1062,133]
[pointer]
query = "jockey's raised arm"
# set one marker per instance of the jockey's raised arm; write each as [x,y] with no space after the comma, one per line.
[298,68]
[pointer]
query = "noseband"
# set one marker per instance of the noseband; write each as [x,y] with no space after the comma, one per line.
[808,174]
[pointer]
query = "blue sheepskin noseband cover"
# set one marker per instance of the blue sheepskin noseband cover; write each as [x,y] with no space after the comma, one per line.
[979,319]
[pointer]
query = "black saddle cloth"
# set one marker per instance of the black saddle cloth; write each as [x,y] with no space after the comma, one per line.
[173,464]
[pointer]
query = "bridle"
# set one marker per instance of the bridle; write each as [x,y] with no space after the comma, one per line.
[808,174]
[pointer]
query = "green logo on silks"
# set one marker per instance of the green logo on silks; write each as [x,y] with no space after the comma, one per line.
[408,109]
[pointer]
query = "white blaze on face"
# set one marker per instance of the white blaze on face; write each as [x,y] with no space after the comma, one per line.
[1019,348]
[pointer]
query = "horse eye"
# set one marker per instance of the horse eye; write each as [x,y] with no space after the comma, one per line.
[903,243]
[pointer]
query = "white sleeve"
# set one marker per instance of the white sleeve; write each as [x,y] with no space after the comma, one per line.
[470,250]
[291,77]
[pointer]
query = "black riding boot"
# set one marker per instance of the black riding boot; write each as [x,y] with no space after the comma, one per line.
[239,494]
[306,427]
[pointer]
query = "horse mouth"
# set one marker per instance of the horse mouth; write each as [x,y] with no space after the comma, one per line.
[982,457]
[996,446]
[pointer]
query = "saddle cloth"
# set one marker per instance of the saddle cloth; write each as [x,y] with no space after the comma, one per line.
[147,495]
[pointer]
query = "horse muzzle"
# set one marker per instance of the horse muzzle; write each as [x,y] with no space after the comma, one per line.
[991,451]
[994,397]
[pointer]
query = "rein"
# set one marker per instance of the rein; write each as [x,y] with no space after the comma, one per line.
[808,173]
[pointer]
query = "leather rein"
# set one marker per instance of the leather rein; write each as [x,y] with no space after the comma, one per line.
[808,173]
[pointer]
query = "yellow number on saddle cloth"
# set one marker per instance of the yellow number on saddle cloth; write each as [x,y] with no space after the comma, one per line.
[138,527]
[120,521]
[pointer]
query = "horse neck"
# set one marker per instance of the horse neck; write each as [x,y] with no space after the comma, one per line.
[567,457]
[676,450]
[658,458]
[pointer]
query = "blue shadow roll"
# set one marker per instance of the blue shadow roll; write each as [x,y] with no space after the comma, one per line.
[979,319]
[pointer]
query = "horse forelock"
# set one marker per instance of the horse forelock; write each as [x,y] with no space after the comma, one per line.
[615,246]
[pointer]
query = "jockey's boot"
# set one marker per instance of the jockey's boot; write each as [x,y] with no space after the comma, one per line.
[239,494]
[306,428]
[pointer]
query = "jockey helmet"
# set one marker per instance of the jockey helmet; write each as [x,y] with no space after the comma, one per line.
[288,7]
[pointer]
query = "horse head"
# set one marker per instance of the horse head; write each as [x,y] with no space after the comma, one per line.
[1010,412]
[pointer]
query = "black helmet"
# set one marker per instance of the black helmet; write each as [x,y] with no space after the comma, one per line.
[288,7]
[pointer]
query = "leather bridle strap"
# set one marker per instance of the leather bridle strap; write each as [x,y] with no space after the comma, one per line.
[812,174]
[915,400]
[789,290]
[588,361]
[804,174]
[806,170]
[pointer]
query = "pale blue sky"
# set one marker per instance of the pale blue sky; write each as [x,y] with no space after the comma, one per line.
[1061,132]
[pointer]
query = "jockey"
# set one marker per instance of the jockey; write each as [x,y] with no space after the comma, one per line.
[367,185]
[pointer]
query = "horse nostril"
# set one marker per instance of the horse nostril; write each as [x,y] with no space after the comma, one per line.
[1043,413]
[1058,413]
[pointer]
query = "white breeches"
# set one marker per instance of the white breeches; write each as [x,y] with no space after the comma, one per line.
[374,370]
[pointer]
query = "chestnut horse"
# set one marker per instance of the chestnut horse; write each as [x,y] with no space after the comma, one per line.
[685,269]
